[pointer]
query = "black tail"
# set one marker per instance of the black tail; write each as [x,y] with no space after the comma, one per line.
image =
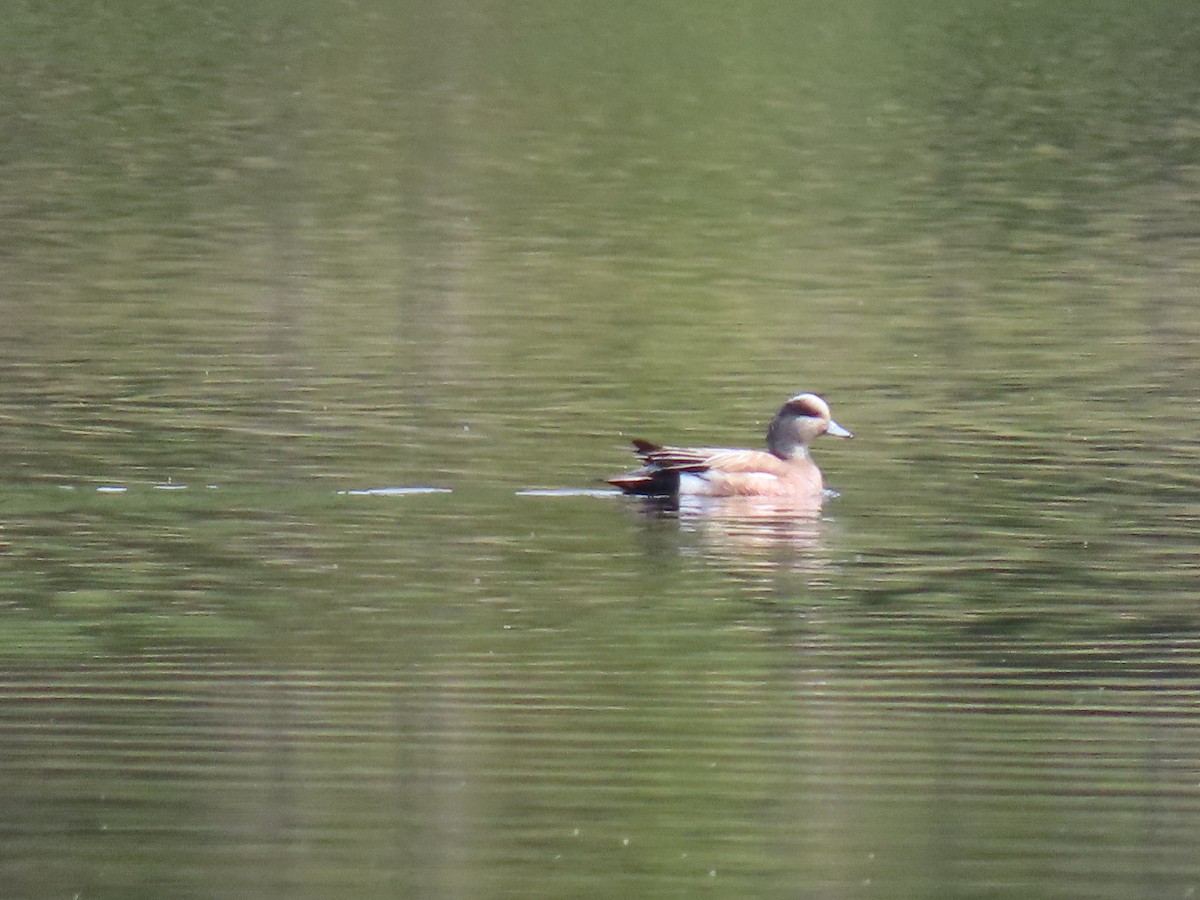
[650,480]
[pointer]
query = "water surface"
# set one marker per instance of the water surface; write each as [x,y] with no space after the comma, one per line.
[320,328]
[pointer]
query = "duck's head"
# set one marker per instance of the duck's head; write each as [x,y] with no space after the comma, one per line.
[799,422]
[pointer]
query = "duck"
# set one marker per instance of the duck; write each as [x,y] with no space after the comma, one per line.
[784,470]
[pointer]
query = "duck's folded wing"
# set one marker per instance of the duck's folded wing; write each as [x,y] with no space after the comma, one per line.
[702,459]
[672,459]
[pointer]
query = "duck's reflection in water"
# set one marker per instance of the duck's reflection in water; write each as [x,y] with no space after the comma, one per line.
[750,536]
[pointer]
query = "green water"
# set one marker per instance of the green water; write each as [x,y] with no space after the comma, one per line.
[261,263]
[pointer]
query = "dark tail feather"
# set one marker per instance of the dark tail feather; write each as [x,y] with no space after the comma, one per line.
[647,481]
[650,480]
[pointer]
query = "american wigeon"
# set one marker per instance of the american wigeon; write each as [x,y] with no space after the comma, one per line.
[786,471]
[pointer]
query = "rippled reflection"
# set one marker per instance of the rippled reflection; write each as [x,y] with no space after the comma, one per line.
[750,535]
